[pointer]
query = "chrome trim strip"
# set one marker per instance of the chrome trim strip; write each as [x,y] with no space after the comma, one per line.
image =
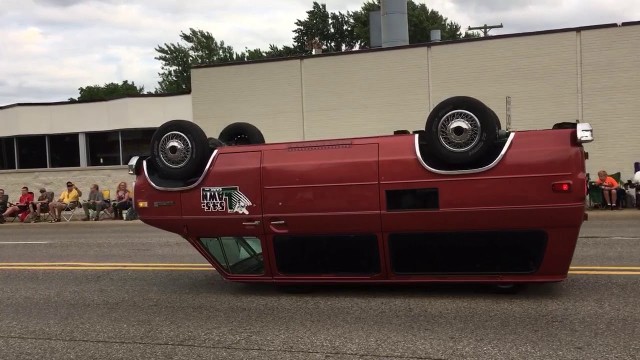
[468,171]
[204,173]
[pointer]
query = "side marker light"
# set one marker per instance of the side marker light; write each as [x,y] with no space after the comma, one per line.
[563,187]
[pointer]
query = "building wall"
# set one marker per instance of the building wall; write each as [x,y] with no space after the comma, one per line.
[365,94]
[138,112]
[55,180]
[611,97]
[537,72]
[588,74]
[135,112]
[268,95]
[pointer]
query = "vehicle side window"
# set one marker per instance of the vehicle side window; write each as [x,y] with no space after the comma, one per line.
[343,255]
[412,199]
[237,254]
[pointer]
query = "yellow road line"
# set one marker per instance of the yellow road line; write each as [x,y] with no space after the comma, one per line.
[604,272]
[104,268]
[98,264]
[604,268]
[574,270]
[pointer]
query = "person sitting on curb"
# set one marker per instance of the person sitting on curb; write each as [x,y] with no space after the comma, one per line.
[69,199]
[95,202]
[20,207]
[610,188]
[40,205]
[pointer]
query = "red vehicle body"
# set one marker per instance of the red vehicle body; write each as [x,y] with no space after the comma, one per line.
[375,209]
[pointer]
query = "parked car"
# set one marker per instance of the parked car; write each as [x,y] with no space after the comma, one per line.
[460,201]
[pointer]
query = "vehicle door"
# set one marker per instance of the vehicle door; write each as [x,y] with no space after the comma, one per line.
[224,214]
[322,210]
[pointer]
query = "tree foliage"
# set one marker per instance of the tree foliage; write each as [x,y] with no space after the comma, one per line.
[199,47]
[108,91]
[421,20]
[331,31]
[334,31]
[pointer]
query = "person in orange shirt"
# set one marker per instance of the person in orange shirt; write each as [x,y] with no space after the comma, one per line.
[609,187]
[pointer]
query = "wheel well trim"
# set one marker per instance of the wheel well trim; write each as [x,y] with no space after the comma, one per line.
[465,171]
[202,176]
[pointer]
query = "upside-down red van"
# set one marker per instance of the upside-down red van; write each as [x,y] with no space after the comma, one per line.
[462,200]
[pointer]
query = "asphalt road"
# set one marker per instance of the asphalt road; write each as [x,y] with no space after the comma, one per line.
[179,314]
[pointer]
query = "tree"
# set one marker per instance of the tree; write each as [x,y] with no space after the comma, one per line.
[108,91]
[421,21]
[333,30]
[199,48]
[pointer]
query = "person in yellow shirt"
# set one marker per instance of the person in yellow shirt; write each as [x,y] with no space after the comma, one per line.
[69,198]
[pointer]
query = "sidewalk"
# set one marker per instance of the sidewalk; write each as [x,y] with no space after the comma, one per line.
[625,213]
[77,218]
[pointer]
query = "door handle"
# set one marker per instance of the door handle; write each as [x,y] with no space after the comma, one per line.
[251,223]
[279,222]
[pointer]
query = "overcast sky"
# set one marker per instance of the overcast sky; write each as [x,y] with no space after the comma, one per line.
[50,48]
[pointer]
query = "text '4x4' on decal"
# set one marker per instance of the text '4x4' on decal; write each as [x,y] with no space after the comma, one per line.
[225,198]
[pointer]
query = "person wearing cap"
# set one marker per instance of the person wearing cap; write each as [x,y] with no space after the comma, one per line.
[40,205]
[69,199]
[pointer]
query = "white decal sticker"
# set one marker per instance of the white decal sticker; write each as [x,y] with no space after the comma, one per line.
[226,198]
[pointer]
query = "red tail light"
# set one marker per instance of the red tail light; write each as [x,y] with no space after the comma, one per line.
[562,186]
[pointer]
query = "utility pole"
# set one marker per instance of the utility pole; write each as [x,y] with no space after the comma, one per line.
[485,29]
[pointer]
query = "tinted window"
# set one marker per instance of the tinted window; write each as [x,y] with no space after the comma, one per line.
[136,143]
[64,150]
[7,154]
[329,254]
[412,199]
[103,148]
[237,255]
[32,152]
[482,252]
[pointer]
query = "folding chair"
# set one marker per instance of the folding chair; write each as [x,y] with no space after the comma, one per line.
[20,216]
[44,215]
[4,204]
[70,210]
[106,194]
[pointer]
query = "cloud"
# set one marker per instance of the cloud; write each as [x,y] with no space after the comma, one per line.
[529,15]
[50,48]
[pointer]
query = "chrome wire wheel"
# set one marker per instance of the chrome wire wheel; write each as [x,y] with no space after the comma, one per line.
[459,130]
[175,149]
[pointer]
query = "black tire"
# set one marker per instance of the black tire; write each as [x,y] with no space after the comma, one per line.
[241,133]
[508,289]
[496,119]
[179,149]
[214,143]
[565,125]
[474,136]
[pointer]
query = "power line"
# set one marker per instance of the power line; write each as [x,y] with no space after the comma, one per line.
[485,28]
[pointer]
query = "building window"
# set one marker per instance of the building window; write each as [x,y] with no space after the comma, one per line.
[32,152]
[135,143]
[103,148]
[7,154]
[64,150]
